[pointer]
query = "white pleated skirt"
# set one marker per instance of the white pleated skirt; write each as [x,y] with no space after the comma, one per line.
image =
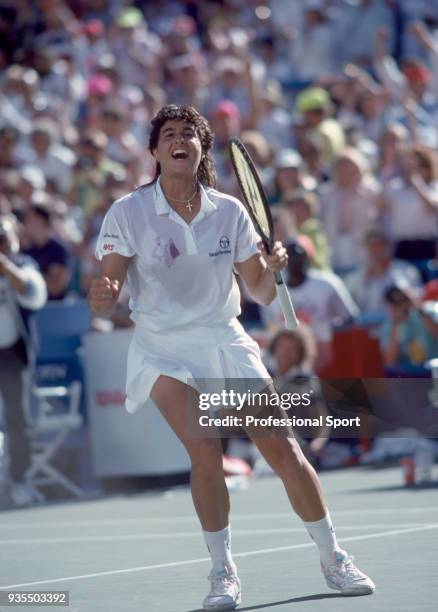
[206,358]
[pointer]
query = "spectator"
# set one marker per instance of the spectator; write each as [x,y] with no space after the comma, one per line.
[410,336]
[303,207]
[94,46]
[390,147]
[20,88]
[231,83]
[368,284]
[90,171]
[189,81]
[260,152]
[289,175]
[363,103]
[320,298]
[273,121]
[290,359]
[313,44]
[310,149]
[9,137]
[349,205]
[51,254]
[121,146]
[358,23]
[429,44]
[225,123]
[285,228]
[98,88]
[22,289]
[134,47]
[411,204]
[46,153]
[315,106]
[414,102]
[92,73]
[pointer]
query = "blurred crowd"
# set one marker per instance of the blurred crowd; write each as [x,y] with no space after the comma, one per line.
[336,100]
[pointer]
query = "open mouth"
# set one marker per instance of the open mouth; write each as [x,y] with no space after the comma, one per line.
[180,154]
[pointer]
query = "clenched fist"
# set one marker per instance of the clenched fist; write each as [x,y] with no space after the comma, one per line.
[277,260]
[103,295]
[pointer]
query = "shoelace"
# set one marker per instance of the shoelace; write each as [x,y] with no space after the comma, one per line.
[220,583]
[348,568]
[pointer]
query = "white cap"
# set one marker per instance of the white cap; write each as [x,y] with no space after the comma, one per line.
[288,158]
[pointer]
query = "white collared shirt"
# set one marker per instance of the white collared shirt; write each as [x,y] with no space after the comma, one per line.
[181,275]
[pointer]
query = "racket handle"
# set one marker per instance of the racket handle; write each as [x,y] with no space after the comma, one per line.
[286,302]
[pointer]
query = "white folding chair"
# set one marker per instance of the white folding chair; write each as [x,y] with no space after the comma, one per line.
[48,428]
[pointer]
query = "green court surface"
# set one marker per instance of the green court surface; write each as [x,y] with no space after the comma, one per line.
[145,553]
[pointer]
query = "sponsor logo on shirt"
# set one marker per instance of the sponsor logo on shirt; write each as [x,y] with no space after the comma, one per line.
[224,247]
[108,247]
[165,251]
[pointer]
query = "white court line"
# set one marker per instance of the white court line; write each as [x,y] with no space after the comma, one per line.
[192,519]
[185,534]
[250,553]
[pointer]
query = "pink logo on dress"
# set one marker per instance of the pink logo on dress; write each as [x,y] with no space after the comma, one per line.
[165,251]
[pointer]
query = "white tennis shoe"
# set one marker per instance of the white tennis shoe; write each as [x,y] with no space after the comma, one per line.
[225,593]
[342,575]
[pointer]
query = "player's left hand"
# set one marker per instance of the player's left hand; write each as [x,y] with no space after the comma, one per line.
[277,260]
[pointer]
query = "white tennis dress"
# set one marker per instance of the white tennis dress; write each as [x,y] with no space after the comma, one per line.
[184,296]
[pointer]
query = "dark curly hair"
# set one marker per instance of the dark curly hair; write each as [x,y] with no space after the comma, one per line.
[206,173]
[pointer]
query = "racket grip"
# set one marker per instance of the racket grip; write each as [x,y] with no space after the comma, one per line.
[286,302]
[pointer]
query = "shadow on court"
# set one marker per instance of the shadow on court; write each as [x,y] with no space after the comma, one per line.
[286,601]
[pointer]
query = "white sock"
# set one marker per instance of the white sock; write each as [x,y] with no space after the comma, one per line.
[219,547]
[323,534]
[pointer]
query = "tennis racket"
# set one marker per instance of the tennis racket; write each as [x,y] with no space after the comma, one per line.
[257,206]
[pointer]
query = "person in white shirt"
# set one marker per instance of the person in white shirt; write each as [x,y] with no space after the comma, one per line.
[320,299]
[53,159]
[369,283]
[179,241]
[313,45]
[349,206]
[410,204]
[22,289]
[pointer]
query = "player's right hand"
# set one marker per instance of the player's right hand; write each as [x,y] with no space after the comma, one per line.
[103,294]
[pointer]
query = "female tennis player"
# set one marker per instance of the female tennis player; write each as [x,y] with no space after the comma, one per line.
[180,242]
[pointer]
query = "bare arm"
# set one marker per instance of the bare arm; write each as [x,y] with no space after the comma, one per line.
[12,273]
[257,273]
[104,291]
[430,324]
[386,68]
[422,34]
[427,196]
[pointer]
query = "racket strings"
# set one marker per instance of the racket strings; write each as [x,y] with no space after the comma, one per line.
[251,191]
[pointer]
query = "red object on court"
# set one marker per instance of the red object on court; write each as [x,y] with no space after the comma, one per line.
[234,466]
[408,465]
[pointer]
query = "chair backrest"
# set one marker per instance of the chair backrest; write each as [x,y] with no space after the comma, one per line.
[58,327]
[356,354]
[63,318]
[56,402]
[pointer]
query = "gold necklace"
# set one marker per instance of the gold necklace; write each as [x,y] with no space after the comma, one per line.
[188,202]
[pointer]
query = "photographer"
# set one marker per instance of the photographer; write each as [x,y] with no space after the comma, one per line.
[22,288]
[410,336]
